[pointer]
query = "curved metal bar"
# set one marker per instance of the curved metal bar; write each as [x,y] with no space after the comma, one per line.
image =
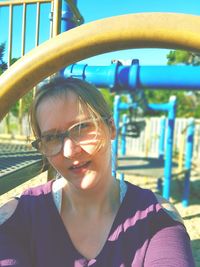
[157,30]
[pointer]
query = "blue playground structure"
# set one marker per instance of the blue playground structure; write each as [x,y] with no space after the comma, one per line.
[134,77]
[165,141]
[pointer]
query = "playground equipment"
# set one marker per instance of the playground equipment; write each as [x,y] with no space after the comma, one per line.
[58,22]
[117,33]
[170,108]
[118,105]
[131,78]
[15,160]
[138,30]
[133,126]
[130,128]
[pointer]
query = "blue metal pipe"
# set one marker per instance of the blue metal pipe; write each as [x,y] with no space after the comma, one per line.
[105,76]
[169,147]
[123,135]
[116,117]
[121,78]
[160,107]
[188,161]
[169,107]
[121,176]
[67,22]
[127,106]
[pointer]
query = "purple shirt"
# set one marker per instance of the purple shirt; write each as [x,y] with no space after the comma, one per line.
[142,234]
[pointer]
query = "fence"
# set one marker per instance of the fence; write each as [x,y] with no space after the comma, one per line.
[148,142]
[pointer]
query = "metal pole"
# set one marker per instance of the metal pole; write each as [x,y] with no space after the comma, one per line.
[37,32]
[123,135]
[169,147]
[56,17]
[116,116]
[10,35]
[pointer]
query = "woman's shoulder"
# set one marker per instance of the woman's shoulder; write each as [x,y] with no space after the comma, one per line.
[10,206]
[150,202]
[41,189]
[7,209]
[169,208]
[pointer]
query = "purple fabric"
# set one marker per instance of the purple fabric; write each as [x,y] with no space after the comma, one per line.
[143,234]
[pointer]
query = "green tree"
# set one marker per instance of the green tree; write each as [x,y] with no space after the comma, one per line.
[183,57]
[186,104]
[3,65]
[109,97]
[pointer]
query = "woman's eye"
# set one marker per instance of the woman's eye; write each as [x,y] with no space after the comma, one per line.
[84,125]
[81,126]
[49,138]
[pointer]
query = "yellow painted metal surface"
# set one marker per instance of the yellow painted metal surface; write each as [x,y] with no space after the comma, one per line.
[141,30]
[56,17]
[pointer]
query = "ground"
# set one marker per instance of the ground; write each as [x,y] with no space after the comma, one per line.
[190,215]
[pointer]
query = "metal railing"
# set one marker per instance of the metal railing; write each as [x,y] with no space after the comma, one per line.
[54,29]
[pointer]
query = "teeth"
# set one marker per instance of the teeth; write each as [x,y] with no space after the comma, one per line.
[78,166]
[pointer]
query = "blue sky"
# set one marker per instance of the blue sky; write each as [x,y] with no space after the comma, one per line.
[98,9]
[108,8]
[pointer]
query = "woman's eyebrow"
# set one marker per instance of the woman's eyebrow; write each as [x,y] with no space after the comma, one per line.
[56,131]
[50,132]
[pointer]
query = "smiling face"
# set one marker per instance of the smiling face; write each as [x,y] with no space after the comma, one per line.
[82,165]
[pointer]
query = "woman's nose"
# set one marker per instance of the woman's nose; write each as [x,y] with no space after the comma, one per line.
[70,148]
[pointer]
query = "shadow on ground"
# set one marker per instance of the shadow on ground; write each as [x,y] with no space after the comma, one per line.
[177,187]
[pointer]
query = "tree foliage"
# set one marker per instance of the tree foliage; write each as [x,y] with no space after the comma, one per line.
[183,57]
[3,65]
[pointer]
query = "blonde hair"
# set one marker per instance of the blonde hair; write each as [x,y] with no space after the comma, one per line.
[89,96]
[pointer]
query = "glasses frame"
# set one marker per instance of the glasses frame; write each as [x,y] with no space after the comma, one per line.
[62,136]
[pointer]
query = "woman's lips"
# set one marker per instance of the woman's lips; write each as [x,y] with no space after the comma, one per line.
[79,168]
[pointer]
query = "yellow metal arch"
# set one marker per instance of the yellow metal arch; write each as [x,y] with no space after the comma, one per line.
[142,30]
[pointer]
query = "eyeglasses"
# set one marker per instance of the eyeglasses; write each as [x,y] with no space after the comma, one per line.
[86,134]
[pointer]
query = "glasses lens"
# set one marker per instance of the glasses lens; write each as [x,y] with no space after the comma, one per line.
[50,145]
[86,134]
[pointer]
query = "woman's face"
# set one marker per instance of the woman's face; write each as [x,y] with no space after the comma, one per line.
[82,165]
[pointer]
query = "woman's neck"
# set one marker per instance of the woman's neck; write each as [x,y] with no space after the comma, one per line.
[103,198]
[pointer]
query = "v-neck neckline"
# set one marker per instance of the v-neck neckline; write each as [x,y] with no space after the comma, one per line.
[67,239]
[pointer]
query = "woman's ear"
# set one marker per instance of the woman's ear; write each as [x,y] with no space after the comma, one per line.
[112,128]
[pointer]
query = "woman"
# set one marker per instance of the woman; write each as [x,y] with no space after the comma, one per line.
[85,217]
